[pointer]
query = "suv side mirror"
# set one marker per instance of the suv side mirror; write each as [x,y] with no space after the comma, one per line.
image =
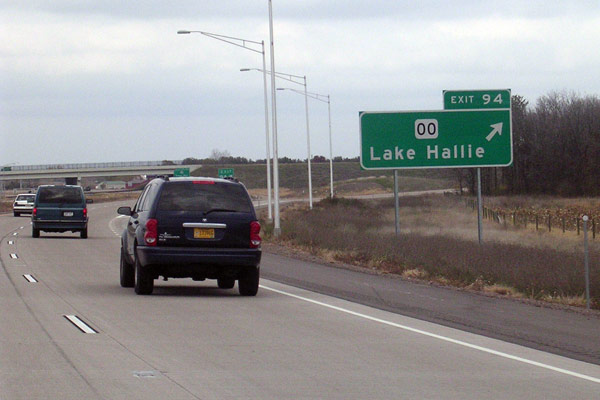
[124,211]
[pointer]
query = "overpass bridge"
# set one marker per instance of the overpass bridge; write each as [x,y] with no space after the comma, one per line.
[72,173]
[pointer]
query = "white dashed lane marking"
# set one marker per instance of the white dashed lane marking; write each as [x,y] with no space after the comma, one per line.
[82,326]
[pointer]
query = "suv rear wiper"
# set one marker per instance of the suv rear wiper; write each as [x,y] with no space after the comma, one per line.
[219,210]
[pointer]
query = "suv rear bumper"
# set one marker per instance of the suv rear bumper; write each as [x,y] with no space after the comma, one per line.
[190,256]
[59,226]
[197,263]
[23,209]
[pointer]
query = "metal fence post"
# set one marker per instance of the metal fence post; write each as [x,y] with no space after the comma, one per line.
[586,261]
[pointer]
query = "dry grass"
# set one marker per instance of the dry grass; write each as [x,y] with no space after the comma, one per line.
[415,273]
[438,242]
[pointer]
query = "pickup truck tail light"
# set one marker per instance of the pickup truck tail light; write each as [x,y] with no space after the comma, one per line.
[255,239]
[151,235]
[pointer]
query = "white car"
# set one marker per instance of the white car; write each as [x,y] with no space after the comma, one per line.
[23,204]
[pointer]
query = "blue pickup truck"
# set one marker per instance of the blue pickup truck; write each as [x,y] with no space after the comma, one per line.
[60,209]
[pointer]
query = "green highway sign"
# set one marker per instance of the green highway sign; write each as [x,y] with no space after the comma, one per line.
[181,172]
[436,139]
[225,173]
[476,99]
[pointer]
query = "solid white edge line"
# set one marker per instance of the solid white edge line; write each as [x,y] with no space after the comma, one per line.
[435,336]
[79,324]
[30,278]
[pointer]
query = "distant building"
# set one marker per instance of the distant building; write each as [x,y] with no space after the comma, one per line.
[136,182]
[111,185]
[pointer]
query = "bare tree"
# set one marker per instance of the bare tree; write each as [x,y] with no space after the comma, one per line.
[218,155]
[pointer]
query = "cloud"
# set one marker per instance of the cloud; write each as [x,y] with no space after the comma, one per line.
[76,70]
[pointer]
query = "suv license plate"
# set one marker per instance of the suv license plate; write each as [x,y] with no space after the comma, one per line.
[68,213]
[204,233]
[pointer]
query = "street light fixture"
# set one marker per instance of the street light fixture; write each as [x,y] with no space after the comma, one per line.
[245,44]
[298,80]
[324,99]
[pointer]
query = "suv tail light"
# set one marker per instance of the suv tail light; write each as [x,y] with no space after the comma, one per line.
[34,212]
[84,212]
[151,235]
[254,235]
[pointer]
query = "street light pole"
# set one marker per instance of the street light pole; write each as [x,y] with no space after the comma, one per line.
[277,226]
[298,80]
[330,147]
[268,144]
[243,43]
[321,97]
[310,197]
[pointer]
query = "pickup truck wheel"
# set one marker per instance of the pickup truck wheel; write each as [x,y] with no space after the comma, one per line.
[144,282]
[35,233]
[225,283]
[248,282]
[127,272]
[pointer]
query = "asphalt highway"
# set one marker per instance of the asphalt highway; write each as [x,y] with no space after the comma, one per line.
[69,331]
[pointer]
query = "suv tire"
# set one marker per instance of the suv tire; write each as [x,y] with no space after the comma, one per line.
[248,282]
[35,233]
[225,283]
[127,272]
[16,214]
[84,234]
[144,282]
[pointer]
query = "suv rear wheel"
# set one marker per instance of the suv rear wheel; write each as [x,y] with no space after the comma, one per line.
[248,282]
[144,282]
[84,234]
[35,233]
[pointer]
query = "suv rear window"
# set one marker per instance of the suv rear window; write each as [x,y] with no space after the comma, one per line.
[60,195]
[190,196]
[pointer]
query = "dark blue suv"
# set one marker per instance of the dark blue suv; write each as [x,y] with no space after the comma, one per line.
[199,228]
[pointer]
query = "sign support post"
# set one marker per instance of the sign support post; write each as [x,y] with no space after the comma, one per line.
[396,202]
[479,207]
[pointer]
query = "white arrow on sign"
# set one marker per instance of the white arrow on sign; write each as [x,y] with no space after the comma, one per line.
[497,128]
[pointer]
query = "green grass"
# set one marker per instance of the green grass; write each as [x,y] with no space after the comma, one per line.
[295,176]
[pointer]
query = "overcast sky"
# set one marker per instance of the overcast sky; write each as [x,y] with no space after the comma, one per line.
[110,80]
